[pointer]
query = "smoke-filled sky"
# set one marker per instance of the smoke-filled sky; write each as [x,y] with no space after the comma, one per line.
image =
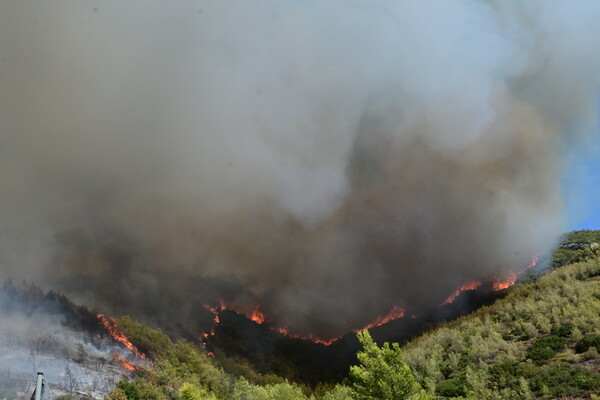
[324,160]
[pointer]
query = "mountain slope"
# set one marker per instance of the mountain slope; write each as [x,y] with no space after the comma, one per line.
[539,339]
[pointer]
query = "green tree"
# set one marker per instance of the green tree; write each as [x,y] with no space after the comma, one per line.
[382,373]
[117,394]
[192,392]
[129,390]
[338,393]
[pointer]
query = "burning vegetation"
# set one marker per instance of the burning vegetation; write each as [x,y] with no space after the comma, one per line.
[115,331]
[396,312]
[497,284]
[45,331]
[286,184]
[314,168]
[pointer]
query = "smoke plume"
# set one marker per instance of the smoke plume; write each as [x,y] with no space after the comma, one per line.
[321,160]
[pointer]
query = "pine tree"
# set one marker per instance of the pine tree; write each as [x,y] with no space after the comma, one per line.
[382,373]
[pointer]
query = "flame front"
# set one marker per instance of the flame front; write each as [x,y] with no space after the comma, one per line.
[258,317]
[471,285]
[113,329]
[395,312]
[507,281]
[124,363]
[326,342]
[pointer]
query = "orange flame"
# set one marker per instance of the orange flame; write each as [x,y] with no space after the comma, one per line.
[395,313]
[533,263]
[255,315]
[113,329]
[326,342]
[511,276]
[124,363]
[471,285]
[258,316]
[509,279]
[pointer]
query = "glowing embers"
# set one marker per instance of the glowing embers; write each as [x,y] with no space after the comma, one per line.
[115,331]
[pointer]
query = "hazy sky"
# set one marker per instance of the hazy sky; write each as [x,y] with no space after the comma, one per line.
[583,212]
[582,187]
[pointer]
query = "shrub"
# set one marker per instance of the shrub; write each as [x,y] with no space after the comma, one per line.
[338,393]
[116,394]
[589,340]
[562,380]
[545,348]
[130,391]
[562,331]
[454,387]
[505,375]
[587,380]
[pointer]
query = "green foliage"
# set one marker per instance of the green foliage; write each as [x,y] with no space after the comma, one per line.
[285,391]
[339,392]
[454,387]
[382,373]
[117,394]
[589,340]
[563,330]
[238,367]
[130,390]
[182,371]
[540,341]
[73,397]
[568,253]
[522,346]
[190,391]
[545,348]
[506,374]
[244,390]
[151,342]
[563,379]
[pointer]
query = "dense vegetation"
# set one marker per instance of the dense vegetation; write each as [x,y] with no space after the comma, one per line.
[184,371]
[540,341]
[577,246]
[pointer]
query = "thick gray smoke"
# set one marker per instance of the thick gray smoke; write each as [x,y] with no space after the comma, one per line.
[325,160]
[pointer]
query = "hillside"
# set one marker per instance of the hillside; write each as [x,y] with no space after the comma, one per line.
[536,340]
[45,331]
[540,341]
[577,246]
